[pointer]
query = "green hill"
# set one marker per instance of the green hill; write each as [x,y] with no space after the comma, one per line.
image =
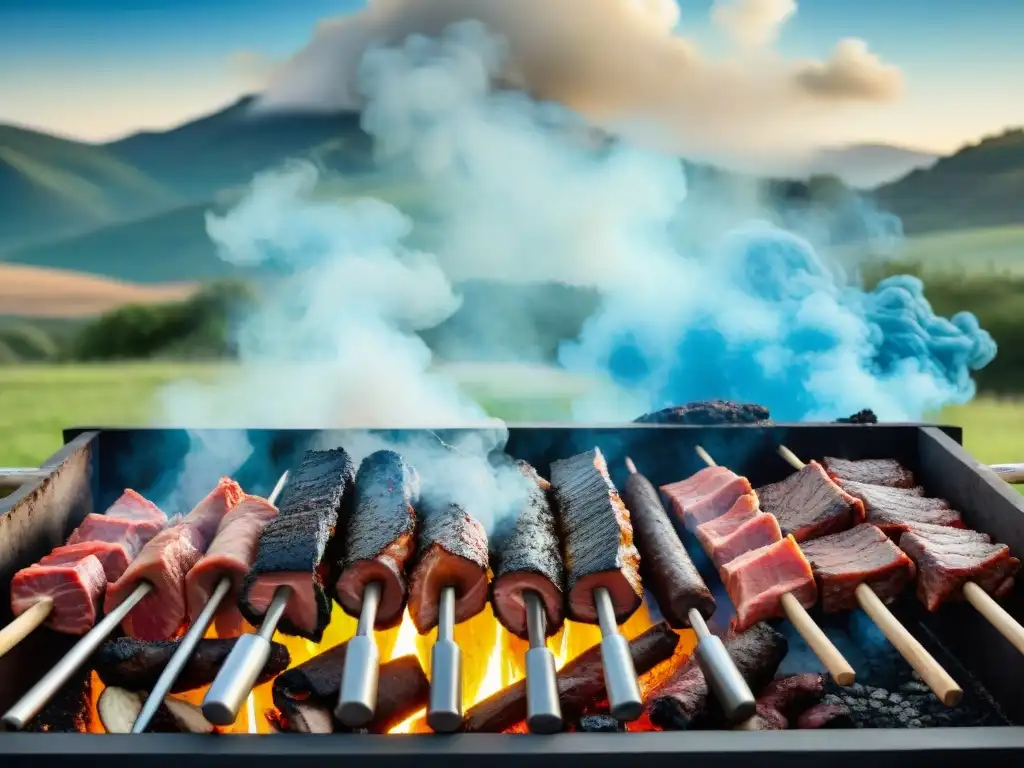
[982,185]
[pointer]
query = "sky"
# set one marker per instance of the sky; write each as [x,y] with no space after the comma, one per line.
[96,70]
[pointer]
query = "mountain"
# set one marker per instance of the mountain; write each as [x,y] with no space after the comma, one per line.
[982,185]
[864,166]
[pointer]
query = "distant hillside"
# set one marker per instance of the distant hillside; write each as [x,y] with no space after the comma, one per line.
[982,185]
[868,165]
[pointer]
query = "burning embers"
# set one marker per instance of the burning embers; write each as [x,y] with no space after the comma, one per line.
[381,606]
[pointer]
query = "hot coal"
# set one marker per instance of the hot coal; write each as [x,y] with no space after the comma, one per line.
[293,544]
[137,664]
[600,724]
[452,553]
[69,711]
[380,538]
[526,555]
[666,568]
[862,555]
[306,695]
[598,537]
[709,413]
[682,701]
[809,504]
[897,510]
[888,472]
[580,683]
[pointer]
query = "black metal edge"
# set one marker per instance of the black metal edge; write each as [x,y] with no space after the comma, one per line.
[941,747]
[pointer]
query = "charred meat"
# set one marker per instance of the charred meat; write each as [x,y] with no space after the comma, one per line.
[784,698]
[947,558]
[825,715]
[708,413]
[666,568]
[526,556]
[897,510]
[757,580]
[165,561]
[809,504]
[861,555]
[599,548]
[580,684]
[706,495]
[292,545]
[380,538]
[452,553]
[887,472]
[137,664]
[681,701]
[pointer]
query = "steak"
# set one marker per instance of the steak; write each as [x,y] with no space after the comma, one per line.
[861,555]
[231,555]
[887,472]
[580,682]
[681,701]
[120,534]
[666,568]
[757,580]
[706,495]
[292,545]
[947,558]
[136,664]
[74,583]
[896,510]
[809,504]
[599,547]
[709,412]
[452,553]
[741,529]
[527,556]
[380,538]
[164,563]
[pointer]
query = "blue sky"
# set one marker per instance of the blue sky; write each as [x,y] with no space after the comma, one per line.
[97,69]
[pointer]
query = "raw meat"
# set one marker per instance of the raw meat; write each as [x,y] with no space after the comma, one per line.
[948,558]
[74,583]
[598,537]
[861,555]
[741,529]
[706,495]
[757,580]
[809,504]
[887,472]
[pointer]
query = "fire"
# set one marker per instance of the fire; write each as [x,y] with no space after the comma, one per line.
[492,659]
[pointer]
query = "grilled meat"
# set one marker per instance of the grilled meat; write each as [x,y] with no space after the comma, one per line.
[681,701]
[598,537]
[292,545]
[826,715]
[527,556]
[69,711]
[809,504]
[308,693]
[165,561]
[897,510]
[231,555]
[861,555]
[706,495]
[709,412]
[757,580]
[887,472]
[864,416]
[580,684]
[136,664]
[783,699]
[452,553]
[666,568]
[947,558]
[380,538]
[743,528]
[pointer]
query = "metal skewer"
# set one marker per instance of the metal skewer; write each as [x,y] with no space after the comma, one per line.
[29,705]
[444,714]
[624,700]
[357,700]
[15,477]
[543,709]
[189,642]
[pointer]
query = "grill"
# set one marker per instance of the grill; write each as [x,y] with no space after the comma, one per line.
[97,464]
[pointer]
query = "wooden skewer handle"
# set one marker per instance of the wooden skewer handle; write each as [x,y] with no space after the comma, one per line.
[24,625]
[1011,473]
[838,667]
[942,685]
[996,615]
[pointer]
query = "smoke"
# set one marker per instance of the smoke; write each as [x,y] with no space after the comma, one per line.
[698,299]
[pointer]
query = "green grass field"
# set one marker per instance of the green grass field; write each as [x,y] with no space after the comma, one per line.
[37,402]
[986,250]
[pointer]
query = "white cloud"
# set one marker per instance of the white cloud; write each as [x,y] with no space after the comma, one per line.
[617,61]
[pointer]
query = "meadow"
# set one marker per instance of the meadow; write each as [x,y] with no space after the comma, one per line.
[38,401]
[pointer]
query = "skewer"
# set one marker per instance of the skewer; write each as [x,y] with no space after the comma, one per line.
[943,686]
[624,698]
[444,713]
[357,700]
[834,661]
[720,671]
[1011,473]
[543,708]
[189,642]
[24,625]
[15,477]
[29,705]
